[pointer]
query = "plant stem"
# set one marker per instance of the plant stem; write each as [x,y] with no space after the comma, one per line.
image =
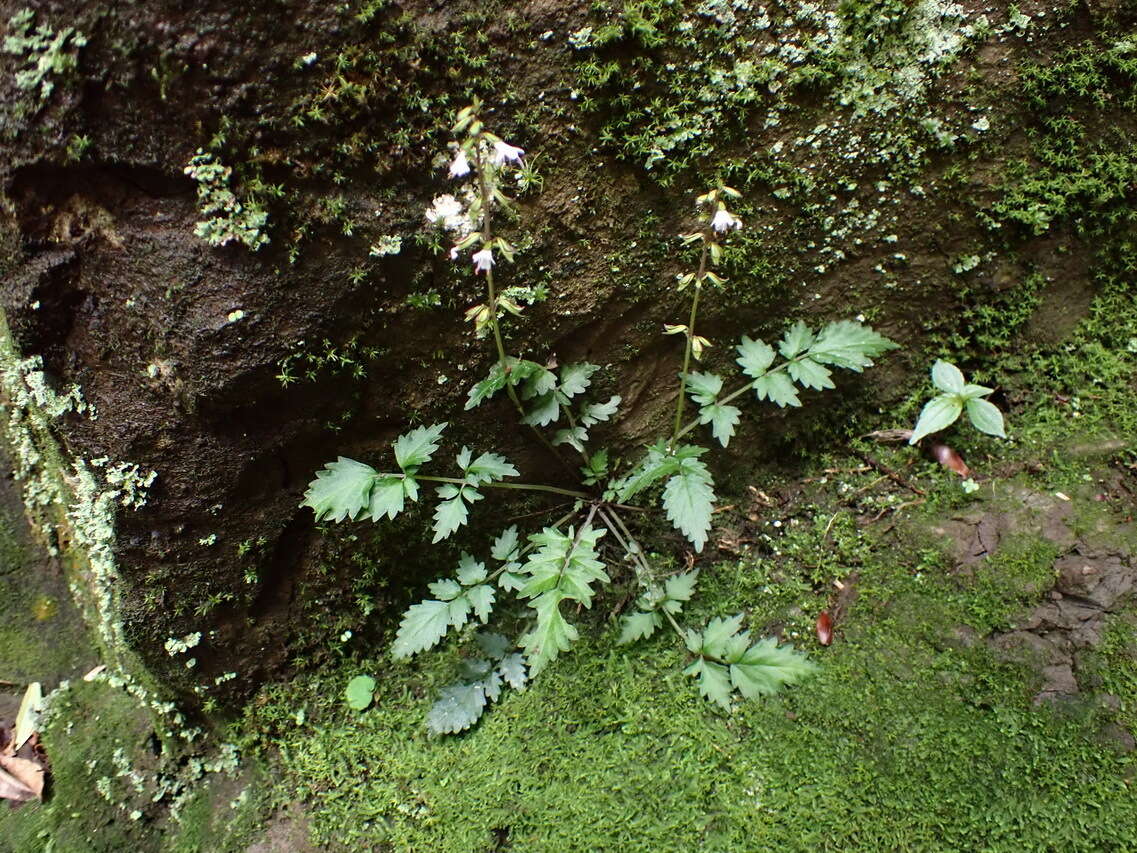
[690,341]
[733,395]
[613,522]
[530,487]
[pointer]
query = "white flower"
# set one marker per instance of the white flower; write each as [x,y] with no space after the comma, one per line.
[724,220]
[483,260]
[503,152]
[460,166]
[454,253]
[446,211]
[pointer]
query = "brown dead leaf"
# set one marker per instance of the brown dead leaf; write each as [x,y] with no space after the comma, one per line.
[889,436]
[824,628]
[21,779]
[950,459]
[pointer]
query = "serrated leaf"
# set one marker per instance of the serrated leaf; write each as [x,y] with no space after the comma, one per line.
[938,413]
[715,637]
[849,345]
[459,611]
[504,545]
[491,686]
[704,388]
[463,458]
[723,420]
[574,437]
[680,588]
[575,378]
[947,378]
[777,388]
[423,625]
[807,372]
[797,339]
[714,681]
[387,497]
[565,563]
[552,634]
[656,465]
[493,645]
[540,382]
[594,413]
[754,357]
[470,571]
[359,692]
[342,489]
[445,590]
[544,411]
[489,386]
[512,669]
[417,446]
[490,467]
[450,514]
[510,581]
[688,499]
[767,667]
[638,625]
[410,487]
[986,417]
[458,707]
[481,599]
[475,669]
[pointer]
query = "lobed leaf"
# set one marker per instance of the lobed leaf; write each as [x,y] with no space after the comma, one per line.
[341,490]
[714,681]
[504,548]
[417,446]
[849,345]
[387,497]
[458,708]
[481,598]
[777,388]
[678,589]
[594,413]
[544,412]
[754,357]
[575,378]
[470,571]
[512,669]
[490,467]
[723,420]
[807,372]
[423,625]
[688,500]
[797,339]
[494,645]
[704,388]
[638,626]
[766,667]
[552,634]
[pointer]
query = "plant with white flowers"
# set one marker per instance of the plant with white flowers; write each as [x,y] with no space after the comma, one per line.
[552,572]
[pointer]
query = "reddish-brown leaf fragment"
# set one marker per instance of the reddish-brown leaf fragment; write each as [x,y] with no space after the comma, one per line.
[824,628]
[950,459]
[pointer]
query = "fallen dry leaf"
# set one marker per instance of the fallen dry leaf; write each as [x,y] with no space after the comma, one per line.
[21,779]
[950,459]
[824,628]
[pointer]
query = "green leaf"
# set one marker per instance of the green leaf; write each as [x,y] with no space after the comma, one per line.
[543,412]
[596,469]
[656,465]
[492,644]
[445,590]
[387,497]
[487,387]
[342,489]
[688,499]
[947,378]
[679,588]
[723,420]
[797,339]
[423,625]
[491,685]
[490,467]
[714,681]
[458,707]
[807,372]
[849,345]
[539,382]
[766,667]
[755,357]
[470,571]
[638,625]
[715,638]
[575,378]
[463,458]
[360,691]
[986,417]
[574,437]
[778,388]
[511,581]
[970,392]
[565,563]
[451,513]
[594,413]
[481,598]
[938,413]
[505,546]
[417,446]
[552,634]
[512,669]
[704,388]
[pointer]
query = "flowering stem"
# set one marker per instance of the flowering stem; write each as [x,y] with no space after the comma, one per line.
[690,341]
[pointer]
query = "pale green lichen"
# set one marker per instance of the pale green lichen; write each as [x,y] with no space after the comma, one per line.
[228,218]
[46,53]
